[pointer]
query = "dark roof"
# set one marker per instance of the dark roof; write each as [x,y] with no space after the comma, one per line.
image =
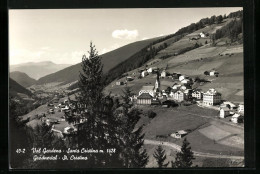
[225,108]
[145,96]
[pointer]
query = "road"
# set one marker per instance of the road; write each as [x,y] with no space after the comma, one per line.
[201,154]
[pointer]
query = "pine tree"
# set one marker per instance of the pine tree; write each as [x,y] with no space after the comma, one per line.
[133,153]
[91,134]
[99,131]
[160,157]
[184,157]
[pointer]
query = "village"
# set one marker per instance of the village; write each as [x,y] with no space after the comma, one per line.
[61,110]
[182,92]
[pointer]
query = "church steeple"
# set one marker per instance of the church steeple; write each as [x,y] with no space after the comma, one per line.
[157,83]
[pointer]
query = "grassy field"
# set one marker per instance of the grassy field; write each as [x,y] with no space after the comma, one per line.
[170,120]
[200,161]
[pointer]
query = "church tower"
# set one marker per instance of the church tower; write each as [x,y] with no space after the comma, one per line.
[157,83]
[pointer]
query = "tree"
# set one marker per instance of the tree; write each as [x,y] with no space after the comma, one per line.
[160,157]
[219,19]
[184,158]
[151,114]
[206,73]
[99,129]
[133,153]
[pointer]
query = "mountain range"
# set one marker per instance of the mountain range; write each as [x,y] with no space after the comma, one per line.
[37,70]
[109,60]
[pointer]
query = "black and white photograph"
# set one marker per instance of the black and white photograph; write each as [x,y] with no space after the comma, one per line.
[126,88]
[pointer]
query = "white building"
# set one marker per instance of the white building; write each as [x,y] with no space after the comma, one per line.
[179,134]
[185,81]
[240,108]
[151,69]
[179,96]
[147,89]
[202,34]
[144,73]
[163,73]
[182,77]
[211,97]
[197,94]
[213,73]
[235,118]
[224,112]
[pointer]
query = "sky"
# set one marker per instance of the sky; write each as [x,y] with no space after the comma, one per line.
[63,35]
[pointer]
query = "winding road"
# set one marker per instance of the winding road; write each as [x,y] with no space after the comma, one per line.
[201,154]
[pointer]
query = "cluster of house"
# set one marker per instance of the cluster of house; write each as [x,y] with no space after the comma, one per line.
[72,110]
[230,109]
[180,91]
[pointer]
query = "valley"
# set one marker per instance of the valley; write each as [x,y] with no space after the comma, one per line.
[188,82]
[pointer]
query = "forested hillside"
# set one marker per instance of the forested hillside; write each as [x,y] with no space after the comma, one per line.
[22,78]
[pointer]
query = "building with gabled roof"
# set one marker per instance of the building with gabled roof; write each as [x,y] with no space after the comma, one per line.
[144,99]
[197,94]
[224,112]
[211,97]
[147,89]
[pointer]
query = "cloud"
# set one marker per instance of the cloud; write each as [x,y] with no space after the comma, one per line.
[145,38]
[125,34]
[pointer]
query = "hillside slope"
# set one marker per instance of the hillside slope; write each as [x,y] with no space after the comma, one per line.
[15,88]
[22,78]
[109,60]
[38,69]
[194,63]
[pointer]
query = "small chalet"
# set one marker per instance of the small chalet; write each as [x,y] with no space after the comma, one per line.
[240,108]
[179,134]
[144,73]
[202,34]
[163,73]
[144,99]
[224,112]
[213,73]
[129,78]
[119,83]
[236,118]
[151,69]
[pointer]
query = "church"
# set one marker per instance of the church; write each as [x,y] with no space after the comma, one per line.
[147,93]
